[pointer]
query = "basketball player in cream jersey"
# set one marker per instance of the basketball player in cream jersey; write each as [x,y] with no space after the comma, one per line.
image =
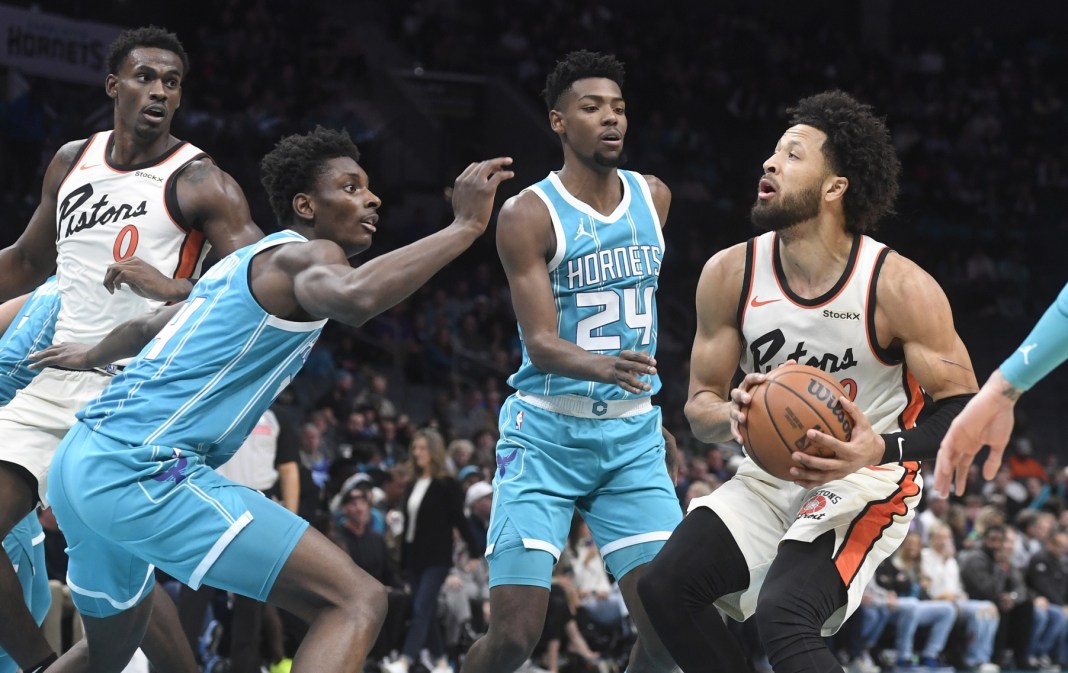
[125,220]
[816,290]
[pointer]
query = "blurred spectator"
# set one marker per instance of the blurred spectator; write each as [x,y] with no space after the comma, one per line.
[367,549]
[902,574]
[1047,579]
[433,509]
[1022,462]
[987,574]
[979,618]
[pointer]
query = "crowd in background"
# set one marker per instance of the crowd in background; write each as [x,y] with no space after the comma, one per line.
[978,116]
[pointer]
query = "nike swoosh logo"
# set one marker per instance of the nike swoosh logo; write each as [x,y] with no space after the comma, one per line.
[86,167]
[756,303]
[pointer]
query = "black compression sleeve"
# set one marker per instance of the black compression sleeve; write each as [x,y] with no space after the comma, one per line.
[922,441]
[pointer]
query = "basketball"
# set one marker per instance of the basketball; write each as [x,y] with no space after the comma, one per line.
[793,399]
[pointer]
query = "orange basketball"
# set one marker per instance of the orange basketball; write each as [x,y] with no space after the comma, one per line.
[793,399]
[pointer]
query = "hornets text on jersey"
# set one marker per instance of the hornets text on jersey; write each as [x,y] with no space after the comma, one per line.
[604,276]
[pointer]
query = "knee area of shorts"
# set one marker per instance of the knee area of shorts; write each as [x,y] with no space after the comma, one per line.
[516,565]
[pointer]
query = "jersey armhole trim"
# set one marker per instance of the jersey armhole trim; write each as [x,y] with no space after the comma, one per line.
[170,195]
[884,355]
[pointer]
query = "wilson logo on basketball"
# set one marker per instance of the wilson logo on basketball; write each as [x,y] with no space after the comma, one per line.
[829,398]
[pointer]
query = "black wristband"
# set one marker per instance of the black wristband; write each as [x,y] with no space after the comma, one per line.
[922,441]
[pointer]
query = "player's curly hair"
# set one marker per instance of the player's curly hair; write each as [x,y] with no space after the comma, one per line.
[146,36]
[859,148]
[580,65]
[297,161]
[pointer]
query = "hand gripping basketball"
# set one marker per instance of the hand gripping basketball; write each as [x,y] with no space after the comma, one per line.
[792,400]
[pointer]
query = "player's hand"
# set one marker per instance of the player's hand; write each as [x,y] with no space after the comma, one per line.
[474,189]
[740,399]
[68,356]
[629,366]
[987,419]
[145,280]
[864,448]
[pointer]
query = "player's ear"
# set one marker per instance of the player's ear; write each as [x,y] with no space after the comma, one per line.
[835,187]
[303,206]
[111,83]
[556,122]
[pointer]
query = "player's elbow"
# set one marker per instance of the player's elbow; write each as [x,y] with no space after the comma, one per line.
[541,352]
[704,428]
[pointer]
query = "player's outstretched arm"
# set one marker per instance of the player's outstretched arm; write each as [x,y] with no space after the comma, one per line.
[354,296]
[988,417]
[125,341]
[211,202]
[27,262]
[717,350]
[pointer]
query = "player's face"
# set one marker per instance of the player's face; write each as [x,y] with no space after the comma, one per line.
[344,207]
[791,189]
[593,120]
[147,90]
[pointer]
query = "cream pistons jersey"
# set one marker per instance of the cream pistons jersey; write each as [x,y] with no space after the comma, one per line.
[106,214]
[834,332]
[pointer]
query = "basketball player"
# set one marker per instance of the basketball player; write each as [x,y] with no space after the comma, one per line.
[813,289]
[582,250]
[987,419]
[183,406]
[27,324]
[125,216]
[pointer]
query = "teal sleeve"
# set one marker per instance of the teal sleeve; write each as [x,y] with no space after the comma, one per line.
[1043,350]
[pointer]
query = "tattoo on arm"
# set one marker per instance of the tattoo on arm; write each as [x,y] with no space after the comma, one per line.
[1011,392]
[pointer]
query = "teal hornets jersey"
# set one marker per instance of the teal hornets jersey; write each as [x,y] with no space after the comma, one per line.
[30,331]
[604,276]
[204,381]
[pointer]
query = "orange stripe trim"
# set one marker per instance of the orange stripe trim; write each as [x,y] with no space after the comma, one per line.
[912,411]
[189,254]
[867,528]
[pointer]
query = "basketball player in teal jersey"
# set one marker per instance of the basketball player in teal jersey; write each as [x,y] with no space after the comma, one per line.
[27,324]
[988,418]
[582,250]
[125,219]
[132,484]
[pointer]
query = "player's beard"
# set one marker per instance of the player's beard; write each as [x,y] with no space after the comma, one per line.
[786,210]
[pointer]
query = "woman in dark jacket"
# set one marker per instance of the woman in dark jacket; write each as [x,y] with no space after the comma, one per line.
[433,509]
